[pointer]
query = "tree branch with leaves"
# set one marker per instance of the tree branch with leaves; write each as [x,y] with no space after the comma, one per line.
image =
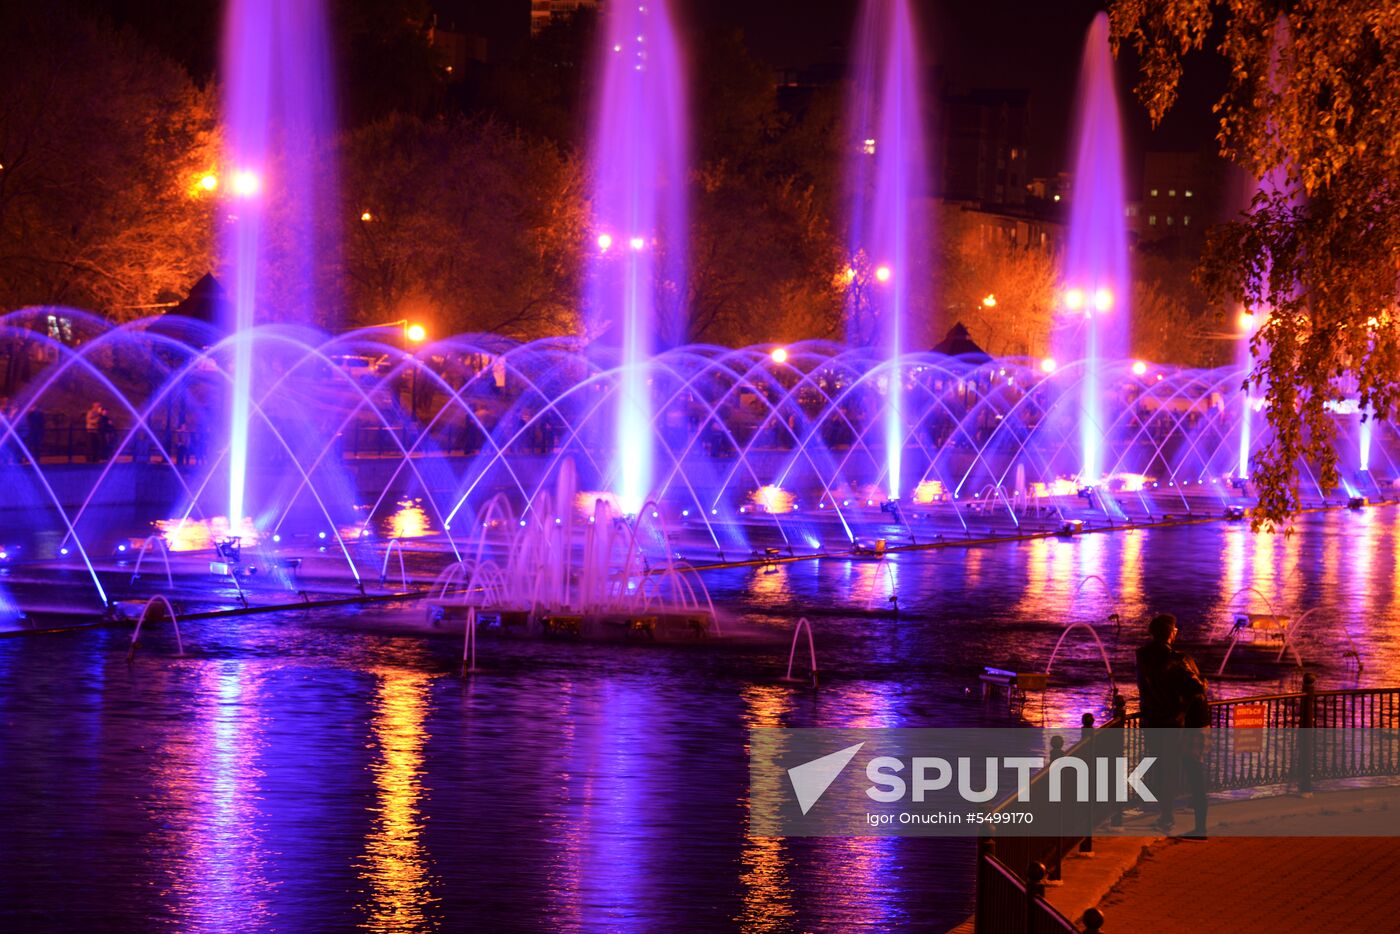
[1312,107]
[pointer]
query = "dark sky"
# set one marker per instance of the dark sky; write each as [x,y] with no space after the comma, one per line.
[1033,44]
[1008,44]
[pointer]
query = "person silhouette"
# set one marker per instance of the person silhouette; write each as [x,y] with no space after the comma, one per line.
[1174,712]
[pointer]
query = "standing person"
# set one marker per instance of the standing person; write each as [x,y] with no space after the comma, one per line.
[92,424]
[1174,708]
[108,431]
[182,444]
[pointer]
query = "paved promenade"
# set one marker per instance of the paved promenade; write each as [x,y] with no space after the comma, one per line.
[1278,883]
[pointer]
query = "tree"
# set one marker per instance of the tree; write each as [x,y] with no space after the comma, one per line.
[1172,321]
[762,249]
[102,144]
[466,223]
[1022,281]
[1314,108]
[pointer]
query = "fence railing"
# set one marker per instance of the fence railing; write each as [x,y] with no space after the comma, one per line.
[1014,863]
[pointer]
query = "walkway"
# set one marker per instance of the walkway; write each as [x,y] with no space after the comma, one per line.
[1278,883]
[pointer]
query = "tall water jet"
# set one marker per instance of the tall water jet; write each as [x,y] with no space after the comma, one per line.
[278,177]
[1092,323]
[888,177]
[638,265]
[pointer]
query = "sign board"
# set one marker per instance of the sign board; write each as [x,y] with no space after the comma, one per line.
[1248,718]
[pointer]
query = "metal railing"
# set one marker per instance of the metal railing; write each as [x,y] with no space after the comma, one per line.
[1011,871]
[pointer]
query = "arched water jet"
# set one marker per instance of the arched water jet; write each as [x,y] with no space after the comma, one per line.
[1103,654]
[147,544]
[803,625]
[158,601]
[394,546]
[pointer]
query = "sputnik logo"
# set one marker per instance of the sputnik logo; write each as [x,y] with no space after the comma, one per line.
[810,780]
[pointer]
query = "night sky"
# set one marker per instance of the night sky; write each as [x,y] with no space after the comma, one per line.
[1004,44]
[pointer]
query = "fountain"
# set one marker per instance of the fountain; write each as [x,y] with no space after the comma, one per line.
[278,121]
[888,231]
[803,625]
[576,484]
[638,267]
[158,602]
[1092,326]
[333,462]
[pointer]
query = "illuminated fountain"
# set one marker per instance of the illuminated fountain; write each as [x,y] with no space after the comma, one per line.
[597,478]
[279,126]
[638,268]
[1093,318]
[752,455]
[888,226]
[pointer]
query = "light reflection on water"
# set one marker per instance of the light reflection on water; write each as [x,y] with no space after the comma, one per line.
[395,864]
[204,796]
[304,771]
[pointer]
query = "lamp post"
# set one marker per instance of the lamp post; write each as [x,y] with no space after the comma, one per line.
[410,332]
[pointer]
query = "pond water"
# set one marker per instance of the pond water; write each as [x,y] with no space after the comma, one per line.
[317,770]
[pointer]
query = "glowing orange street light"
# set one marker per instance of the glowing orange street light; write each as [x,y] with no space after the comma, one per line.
[1139,368]
[1074,299]
[1103,300]
[990,301]
[882,273]
[637,243]
[1047,365]
[604,241]
[415,333]
[366,216]
[779,355]
[209,181]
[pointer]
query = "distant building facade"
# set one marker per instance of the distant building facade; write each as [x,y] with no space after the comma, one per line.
[986,135]
[1183,193]
[544,12]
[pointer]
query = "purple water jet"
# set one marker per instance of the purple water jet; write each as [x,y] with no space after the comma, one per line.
[279,177]
[887,175]
[1092,323]
[639,154]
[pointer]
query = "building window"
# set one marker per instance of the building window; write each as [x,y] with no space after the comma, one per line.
[1186,221]
[1188,192]
[1169,220]
[1171,193]
[1154,192]
[1152,220]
